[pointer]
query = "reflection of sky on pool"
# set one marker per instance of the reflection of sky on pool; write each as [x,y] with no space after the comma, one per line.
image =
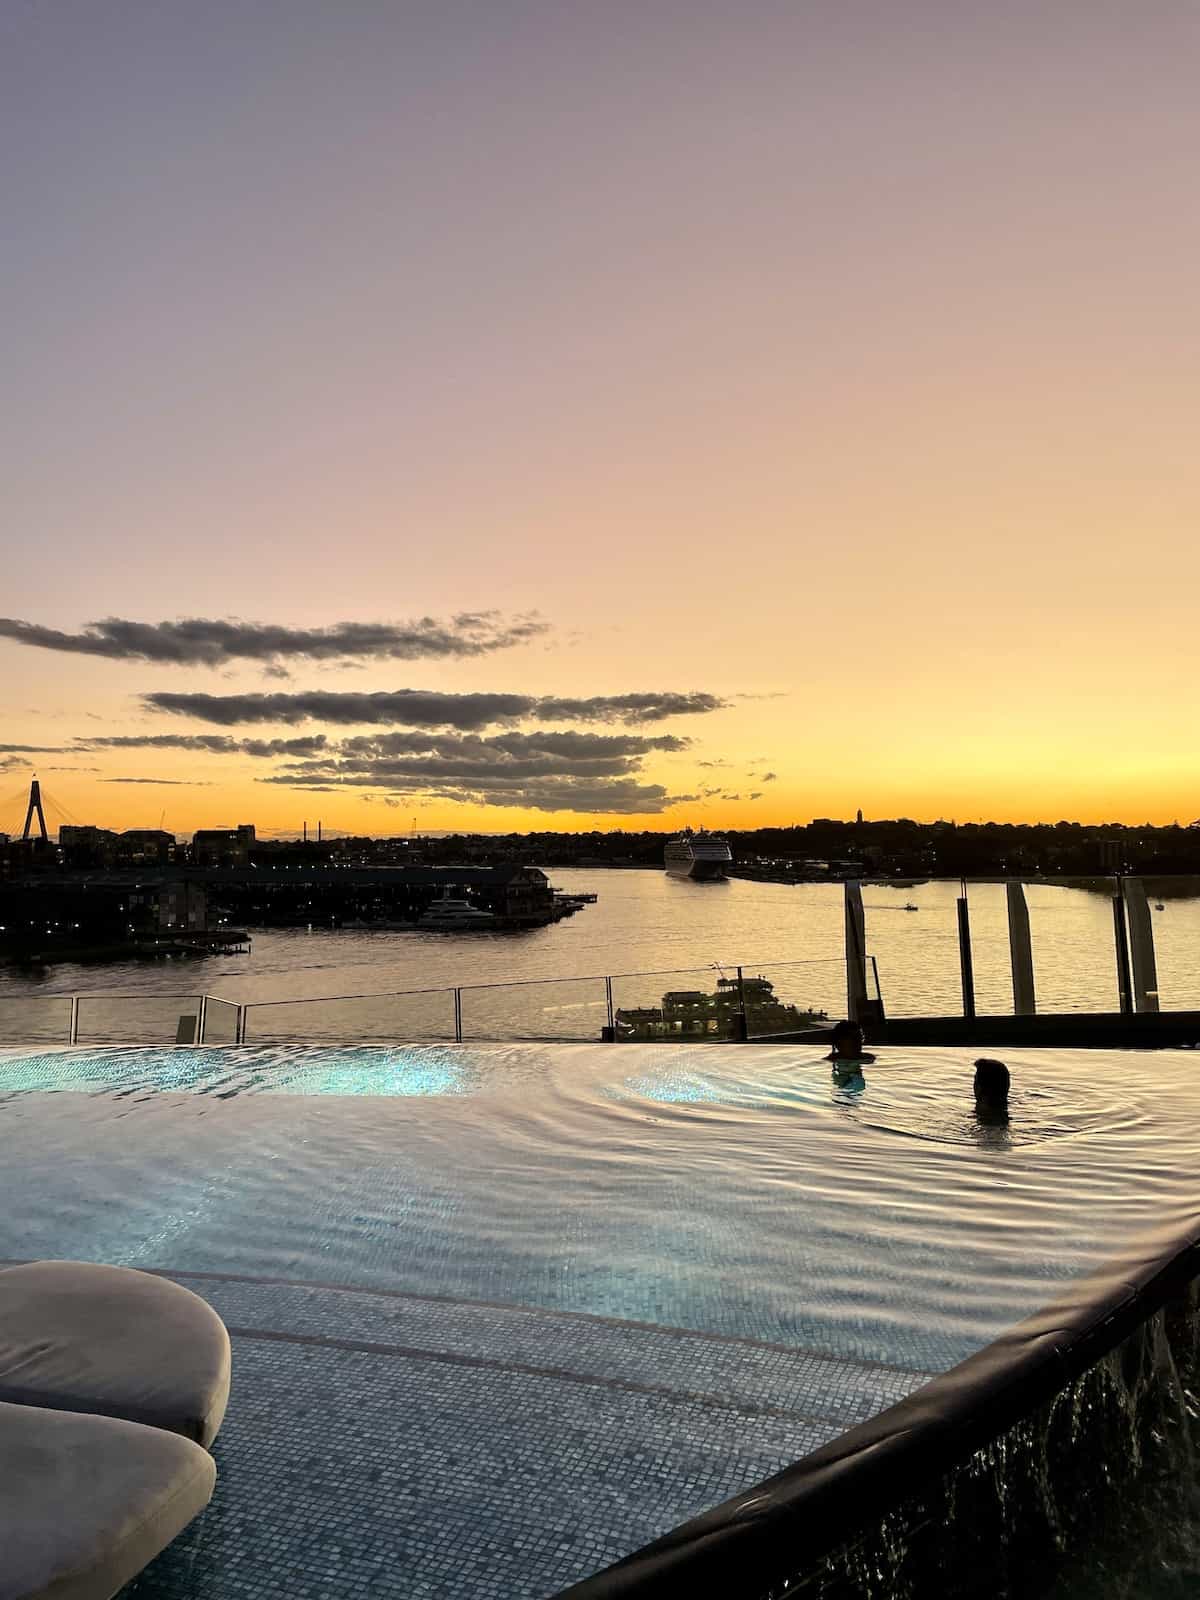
[380,1070]
[796,1081]
[733,1188]
[935,1103]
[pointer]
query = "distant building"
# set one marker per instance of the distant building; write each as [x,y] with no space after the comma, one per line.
[223,847]
[69,911]
[182,907]
[87,846]
[138,847]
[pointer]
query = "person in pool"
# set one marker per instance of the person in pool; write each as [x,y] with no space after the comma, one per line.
[992,1083]
[847,1041]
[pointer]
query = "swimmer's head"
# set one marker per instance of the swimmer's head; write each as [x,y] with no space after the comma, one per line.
[992,1082]
[847,1040]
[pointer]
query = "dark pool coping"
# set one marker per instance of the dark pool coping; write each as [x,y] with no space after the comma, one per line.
[789,1523]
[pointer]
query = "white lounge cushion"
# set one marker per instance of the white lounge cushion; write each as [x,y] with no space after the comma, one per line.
[86,1502]
[75,1336]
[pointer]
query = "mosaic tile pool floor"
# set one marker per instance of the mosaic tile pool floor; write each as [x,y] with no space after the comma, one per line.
[501,1316]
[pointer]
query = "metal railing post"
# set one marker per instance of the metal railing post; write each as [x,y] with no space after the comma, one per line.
[458,1015]
[73,1024]
[202,1019]
[608,1000]
[744,1023]
[964,955]
[878,989]
[239,1027]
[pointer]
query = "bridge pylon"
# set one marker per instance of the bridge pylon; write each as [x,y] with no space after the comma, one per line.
[35,806]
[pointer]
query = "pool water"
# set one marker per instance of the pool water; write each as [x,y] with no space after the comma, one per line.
[502,1314]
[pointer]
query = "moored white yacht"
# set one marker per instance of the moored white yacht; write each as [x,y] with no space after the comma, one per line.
[451,915]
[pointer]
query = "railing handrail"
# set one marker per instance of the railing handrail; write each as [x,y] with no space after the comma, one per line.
[326,999]
[104,994]
[530,983]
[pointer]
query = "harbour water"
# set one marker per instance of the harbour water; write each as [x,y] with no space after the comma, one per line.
[647,922]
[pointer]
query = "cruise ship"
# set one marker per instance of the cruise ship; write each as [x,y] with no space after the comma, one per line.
[703,856]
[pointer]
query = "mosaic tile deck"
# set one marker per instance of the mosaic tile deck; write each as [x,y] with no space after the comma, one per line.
[393,1445]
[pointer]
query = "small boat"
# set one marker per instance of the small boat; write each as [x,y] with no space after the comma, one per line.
[1158,906]
[910,907]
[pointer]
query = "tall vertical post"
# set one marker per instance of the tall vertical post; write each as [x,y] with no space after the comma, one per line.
[608,1002]
[458,1016]
[73,1025]
[1121,943]
[965,961]
[1141,946]
[743,1020]
[35,806]
[857,1008]
[1020,951]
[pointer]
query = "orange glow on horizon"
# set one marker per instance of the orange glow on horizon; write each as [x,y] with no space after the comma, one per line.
[833,362]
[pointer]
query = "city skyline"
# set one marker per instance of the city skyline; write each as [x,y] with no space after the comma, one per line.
[572,417]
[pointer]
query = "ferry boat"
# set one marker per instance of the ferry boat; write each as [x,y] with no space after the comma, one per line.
[737,1009]
[703,856]
[449,915]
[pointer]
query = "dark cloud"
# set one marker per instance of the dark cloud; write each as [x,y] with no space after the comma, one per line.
[756,794]
[34,750]
[549,769]
[604,796]
[767,777]
[426,708]
[631,708]
[212,642]
[506,768]
[209,744]
[174,783]
[565,749]
[540,769]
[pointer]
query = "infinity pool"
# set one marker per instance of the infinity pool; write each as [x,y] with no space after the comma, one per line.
[503,1314]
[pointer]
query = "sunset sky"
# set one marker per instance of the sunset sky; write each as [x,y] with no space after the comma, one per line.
[726,413]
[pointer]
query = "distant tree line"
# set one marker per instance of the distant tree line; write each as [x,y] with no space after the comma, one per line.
[898,847]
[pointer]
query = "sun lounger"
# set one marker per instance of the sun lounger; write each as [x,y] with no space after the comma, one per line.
[86,1502]
[110,1341]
